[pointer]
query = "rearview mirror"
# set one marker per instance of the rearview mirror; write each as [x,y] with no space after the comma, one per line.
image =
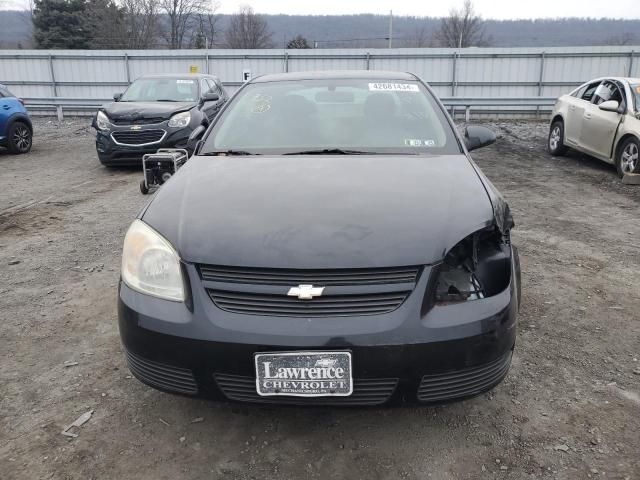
[117,97]
[210,97]
[609,106]
[194,139]
[476,136]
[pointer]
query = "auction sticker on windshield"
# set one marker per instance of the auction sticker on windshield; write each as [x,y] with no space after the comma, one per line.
[304,374]
[393,87]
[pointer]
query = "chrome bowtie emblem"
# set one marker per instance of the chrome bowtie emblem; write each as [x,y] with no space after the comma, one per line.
[136,127]
[305,292]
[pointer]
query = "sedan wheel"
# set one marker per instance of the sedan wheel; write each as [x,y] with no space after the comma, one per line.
[556,139]
[628,160]
[19,138]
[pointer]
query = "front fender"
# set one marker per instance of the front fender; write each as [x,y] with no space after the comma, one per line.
[20,117]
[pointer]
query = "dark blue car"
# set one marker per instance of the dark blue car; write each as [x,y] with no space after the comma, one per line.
[16,131]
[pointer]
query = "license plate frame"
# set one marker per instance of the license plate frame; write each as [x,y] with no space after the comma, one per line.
[342,386]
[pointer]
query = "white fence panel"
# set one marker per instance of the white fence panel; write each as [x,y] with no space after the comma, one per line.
[472,73]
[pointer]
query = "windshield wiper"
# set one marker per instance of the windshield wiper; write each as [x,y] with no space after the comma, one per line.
[226,152]
[332,151]
[166,100]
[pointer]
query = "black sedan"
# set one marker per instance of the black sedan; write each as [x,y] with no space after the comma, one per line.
[155,112]
[330,242]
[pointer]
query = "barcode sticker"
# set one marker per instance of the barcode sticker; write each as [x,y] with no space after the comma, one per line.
[393,87]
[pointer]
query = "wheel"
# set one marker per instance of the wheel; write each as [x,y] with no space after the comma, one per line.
[19,138]
[143,187]
[627,159]
[556,139]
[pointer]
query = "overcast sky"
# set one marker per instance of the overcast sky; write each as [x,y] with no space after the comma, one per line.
[487,8]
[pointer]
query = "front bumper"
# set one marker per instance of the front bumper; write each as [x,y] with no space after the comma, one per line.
[111,153]
[446,353]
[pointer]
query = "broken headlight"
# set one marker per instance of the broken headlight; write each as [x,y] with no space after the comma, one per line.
[477,267]
[150,264]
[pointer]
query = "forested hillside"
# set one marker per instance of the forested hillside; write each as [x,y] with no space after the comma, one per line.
[372,30]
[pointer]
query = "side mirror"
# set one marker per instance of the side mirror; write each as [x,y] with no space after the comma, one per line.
[476,136]
[209,97]
[609,106]
[117,97]
[194,138]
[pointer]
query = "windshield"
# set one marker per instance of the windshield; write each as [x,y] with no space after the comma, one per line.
[162,90]
[333,116]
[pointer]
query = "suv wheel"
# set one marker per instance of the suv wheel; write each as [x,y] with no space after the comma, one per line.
[19,138]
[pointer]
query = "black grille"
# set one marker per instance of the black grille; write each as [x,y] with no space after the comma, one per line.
[463,383]
[323,278]
[138,121]
[326,306]
[137,137]
[373,391]
[160,375]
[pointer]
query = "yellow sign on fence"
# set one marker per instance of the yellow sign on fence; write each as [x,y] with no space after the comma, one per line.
[193,69]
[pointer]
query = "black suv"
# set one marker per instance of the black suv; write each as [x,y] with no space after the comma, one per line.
[156,111]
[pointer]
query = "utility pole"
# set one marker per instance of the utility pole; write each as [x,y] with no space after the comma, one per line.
[390,28]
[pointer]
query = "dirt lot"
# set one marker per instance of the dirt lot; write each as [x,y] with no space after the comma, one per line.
[569,408]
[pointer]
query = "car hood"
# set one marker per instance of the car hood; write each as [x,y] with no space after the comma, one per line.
[131,111]
[320,211]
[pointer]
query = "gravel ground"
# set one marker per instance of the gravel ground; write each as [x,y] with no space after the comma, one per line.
[569,408]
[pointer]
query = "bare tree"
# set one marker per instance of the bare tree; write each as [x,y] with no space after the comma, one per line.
[206,30]
[248,30]
[183,16]
[462,28]
[140,22]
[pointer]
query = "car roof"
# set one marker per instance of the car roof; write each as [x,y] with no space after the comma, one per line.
[335,74]
[178,75]
[618,79]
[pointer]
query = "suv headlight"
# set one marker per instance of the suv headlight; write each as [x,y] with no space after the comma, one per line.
[150,264]
[180,119]
[477,267]
[102,121]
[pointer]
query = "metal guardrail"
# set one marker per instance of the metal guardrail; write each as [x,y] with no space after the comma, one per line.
[484,105]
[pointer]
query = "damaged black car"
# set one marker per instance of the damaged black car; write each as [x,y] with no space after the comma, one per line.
[330,242]
[156,111]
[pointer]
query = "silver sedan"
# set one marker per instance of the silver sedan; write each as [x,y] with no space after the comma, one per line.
[600,118]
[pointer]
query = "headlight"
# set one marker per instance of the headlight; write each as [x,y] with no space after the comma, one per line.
[479,266]
[180,119]
[102,121]
[150,264]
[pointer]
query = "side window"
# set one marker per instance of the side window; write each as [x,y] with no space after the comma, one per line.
[219,88]
[213,88]
[587,94]
[204,87]
[607,91]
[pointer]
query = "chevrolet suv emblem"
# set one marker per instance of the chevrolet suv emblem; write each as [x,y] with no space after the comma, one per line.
[305,292]
[136,127]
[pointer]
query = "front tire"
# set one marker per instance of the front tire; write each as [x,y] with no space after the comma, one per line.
[627,160]
[19,138]
[555,142]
